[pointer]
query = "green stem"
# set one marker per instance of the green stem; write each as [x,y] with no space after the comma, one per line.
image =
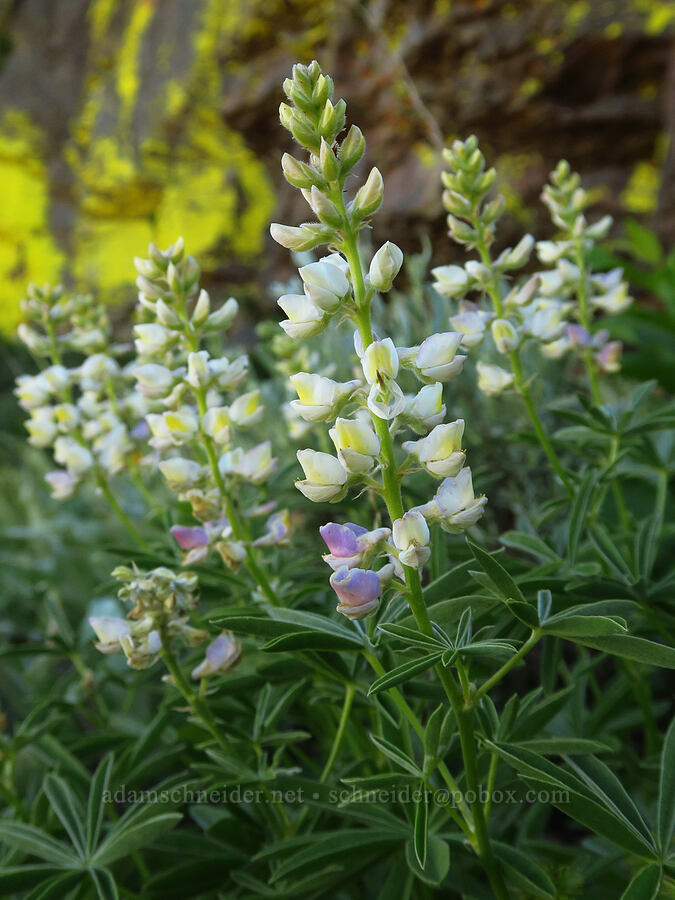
[194,701]
[522,386]
[337,740]
[239,529]
[487,686]
[121,515]
[391,490]
[585,320]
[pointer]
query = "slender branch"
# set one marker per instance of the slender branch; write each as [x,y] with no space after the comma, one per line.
[487,686]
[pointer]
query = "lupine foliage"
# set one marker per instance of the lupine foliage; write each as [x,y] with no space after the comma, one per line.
[441,665]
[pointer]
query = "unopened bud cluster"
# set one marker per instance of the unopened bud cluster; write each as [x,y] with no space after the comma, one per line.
[161,602]
[364,561]
[544,307]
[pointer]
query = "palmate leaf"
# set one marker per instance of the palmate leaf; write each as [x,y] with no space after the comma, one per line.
[35,842]
[55,888]
[104,884]
[630,647]
[501,580]
[18,878]
[646,885]
[124,840]
[593,808]
[421,826]
[67,808]
[525,873]
[404,672]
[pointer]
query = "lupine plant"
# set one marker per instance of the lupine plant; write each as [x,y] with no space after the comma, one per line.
[374,681]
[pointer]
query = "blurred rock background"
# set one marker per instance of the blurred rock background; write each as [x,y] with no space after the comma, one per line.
[125,121]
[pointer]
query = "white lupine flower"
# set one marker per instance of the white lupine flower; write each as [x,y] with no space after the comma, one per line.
[36,343]
[112,449]
[58,377]
[425,409]
[198,371]
[493,379]
[297,426]
[325,476]
[246,410]
[600,229]
[153,381]
[386,402]
[226,374]
[551,251]
[62,484]
[380,361]
[319,398]
[411,537]
[470,322]
[523,295]
[455,505]
[172,428]
[451,281]
[436,358]
[152,339]
[67,416]
[304,317]
[216,423]
[181,473]
[385,266]
[546,323]
[109,630]
[325,284]
[440,452]
[71,454]
[616,300]
[556,349]
[336,259]
[41,427]
[96,369]
[504,335]
[32,390]
[256,464]
[356,443]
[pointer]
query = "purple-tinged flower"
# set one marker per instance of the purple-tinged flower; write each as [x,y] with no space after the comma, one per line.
[609,358]
[349,543]
[578,335]
[221,654]
[358,590]
[188,537]
[277,529]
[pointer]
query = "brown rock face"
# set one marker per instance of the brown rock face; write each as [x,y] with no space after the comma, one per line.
[133,102]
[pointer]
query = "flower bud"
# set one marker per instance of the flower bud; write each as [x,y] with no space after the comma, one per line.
[304,237]
[493,380]
[299,174]
[356,443]
[319,398]
[351,149]
[325,476]
[324,209]
[504,335]
[518,256]
[304,317]
[189,537]
[222,318]
[411,538]
[358,590]
[440,451]
[385,266]
[202,309]
[368,198]
[330,167]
